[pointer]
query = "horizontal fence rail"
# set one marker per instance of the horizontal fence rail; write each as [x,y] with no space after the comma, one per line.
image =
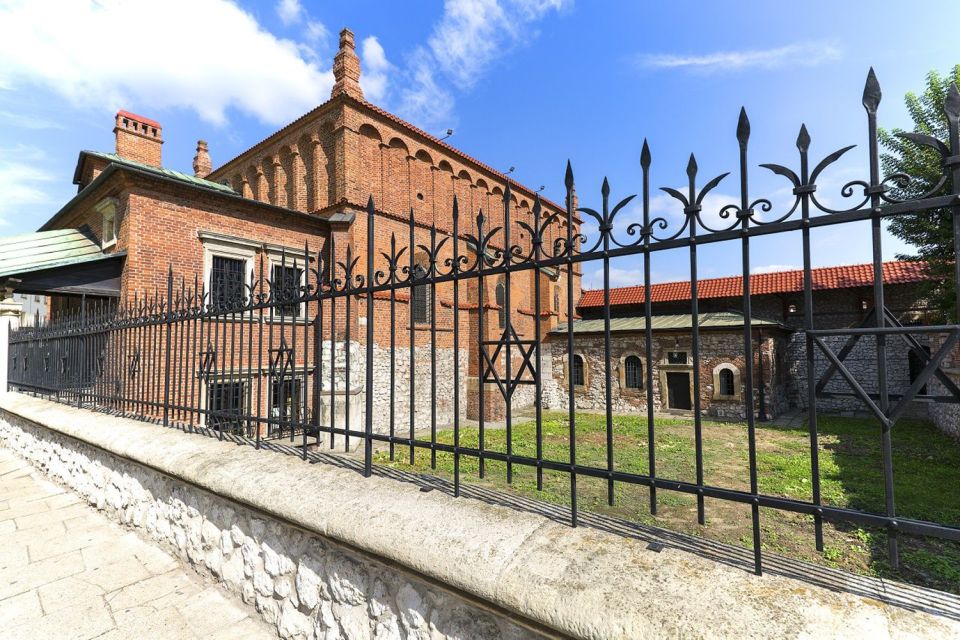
[288,352]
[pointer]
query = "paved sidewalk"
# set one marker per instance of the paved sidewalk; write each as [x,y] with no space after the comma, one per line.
[67,572]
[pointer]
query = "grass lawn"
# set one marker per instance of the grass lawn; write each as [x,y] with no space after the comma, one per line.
[926,473]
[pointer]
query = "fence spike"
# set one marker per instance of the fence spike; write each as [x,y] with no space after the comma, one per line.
[871,92]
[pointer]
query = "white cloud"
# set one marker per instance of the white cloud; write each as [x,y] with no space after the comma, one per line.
[290,11]
[424,102]
[803,54]
[316,32]
[21,182]
[219,59]
[22,121]
[376,68]
[469,37]
[774,268]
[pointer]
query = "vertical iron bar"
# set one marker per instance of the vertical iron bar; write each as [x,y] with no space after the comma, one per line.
[605,231]
[571,401]
[803,144]
[695,337]
[508,330]
[368,444]
[744,213]
[648,327]
[169,327]
[871,99]
[456,348]
[433,346]
[537,337]
[413,336]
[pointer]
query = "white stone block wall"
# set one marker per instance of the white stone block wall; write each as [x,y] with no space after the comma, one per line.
[308,587]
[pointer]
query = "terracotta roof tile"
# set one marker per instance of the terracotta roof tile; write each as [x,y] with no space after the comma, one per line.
[841,277]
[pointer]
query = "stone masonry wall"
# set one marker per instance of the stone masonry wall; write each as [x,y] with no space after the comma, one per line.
[308,587]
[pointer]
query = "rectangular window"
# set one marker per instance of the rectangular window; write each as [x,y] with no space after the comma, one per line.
[285,402]
[109,228]
[286,286]
[226,402]
[227,277]
[676,357]
[420,297]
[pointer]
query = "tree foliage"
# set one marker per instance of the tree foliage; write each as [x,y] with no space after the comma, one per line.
[930,232]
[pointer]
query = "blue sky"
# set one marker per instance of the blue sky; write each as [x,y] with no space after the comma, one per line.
[524,83]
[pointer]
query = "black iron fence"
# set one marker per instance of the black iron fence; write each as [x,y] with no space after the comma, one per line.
[265,354]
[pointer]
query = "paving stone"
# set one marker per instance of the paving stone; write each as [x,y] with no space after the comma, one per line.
[67,572]
[69,592]
[19,608]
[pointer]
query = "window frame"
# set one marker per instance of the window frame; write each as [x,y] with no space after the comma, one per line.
[281,263]
[109,209]
[230,248]
[420,272]
[241,422]
[585,368]
[718,374]
[625,385]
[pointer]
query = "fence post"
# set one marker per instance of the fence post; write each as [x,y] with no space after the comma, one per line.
[9,320]
[168,325]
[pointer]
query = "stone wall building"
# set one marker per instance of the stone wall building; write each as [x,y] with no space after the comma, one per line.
[842,297]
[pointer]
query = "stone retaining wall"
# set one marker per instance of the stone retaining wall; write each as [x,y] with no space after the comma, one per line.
[324,553]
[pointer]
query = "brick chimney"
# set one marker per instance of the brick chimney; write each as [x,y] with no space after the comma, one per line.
[201,162]
[346,68]
[138,138]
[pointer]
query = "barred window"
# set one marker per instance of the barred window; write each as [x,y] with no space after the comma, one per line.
[285,402]
[226,282]
[501,295]
[225,405]
[286,286]
[633,372]
[727,383]
[421,297]
[578,376]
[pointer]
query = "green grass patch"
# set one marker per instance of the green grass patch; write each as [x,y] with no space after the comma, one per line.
[926,463]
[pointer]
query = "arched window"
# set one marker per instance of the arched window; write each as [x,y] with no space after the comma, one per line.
[633,374]
[421,297]
[578,377]
[501,293]
[727,383]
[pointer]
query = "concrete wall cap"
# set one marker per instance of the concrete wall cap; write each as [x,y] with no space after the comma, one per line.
[584,582]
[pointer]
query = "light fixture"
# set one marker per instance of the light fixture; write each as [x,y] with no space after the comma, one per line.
[449,133]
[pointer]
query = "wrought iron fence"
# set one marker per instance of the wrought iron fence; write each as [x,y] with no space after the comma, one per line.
[268,357]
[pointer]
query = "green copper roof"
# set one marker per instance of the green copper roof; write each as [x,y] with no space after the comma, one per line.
[45,250]
[170,173]
[680,322]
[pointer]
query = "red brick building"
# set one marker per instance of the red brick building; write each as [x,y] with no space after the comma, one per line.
[306,186]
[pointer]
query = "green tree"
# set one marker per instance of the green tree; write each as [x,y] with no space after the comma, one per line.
[931,233]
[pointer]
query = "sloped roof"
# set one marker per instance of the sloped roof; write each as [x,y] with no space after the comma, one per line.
[46,250]
[163,171]
[678,322]
[824,278]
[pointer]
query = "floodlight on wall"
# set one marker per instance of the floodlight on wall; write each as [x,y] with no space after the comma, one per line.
[510,170]
[449,133]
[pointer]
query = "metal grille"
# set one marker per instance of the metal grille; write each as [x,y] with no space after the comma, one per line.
[227,281]
[220,359]
[633,372]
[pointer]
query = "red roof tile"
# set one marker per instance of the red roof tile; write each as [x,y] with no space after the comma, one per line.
[843,277]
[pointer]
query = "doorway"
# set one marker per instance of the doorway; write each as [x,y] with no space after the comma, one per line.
[678,390]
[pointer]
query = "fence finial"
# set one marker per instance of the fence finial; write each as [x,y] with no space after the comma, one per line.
[645,155]
[871,92]
[803,139]
[951,105]
[743,127]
